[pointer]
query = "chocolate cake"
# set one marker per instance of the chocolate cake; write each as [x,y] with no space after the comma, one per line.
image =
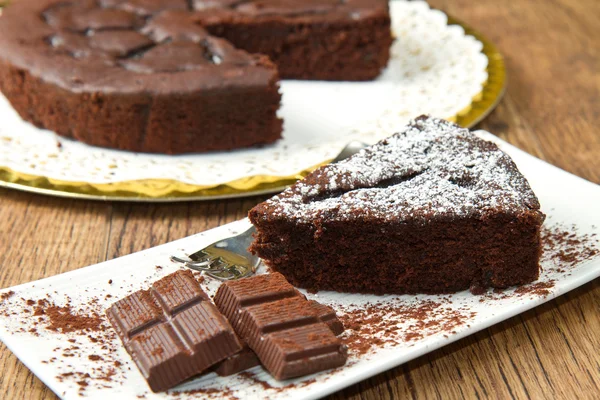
[179,76]
[432,209]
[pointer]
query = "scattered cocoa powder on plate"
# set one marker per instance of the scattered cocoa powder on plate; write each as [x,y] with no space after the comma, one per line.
[565,247]
[64,319]
[6,295]
[375,325]
[539,289]
[254,379]
[82,324]
[204,393]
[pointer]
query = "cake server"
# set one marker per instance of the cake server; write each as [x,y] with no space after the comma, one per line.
[226,259]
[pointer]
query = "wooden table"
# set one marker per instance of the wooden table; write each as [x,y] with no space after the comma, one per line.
[551,110]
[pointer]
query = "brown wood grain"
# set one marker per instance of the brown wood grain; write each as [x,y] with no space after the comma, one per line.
[551,110]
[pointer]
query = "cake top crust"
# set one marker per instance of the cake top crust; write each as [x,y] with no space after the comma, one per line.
[151,45]
[431,170]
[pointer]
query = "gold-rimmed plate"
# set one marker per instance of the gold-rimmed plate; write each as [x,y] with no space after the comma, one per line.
[170,190]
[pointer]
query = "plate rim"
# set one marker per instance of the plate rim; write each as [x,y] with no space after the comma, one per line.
[168,191]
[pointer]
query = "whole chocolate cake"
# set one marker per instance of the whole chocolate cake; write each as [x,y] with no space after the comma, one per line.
[179,76]
[432,209]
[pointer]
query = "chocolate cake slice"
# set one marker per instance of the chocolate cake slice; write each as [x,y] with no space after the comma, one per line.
[432,209]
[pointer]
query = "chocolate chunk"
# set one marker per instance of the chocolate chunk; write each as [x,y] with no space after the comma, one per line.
[241,361]
[247,359]
[279,315]
[249,291]
[327,315]
[300,351]
[172,330]
[280,325]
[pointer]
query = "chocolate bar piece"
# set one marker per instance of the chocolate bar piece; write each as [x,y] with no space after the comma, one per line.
[240,361]
[247,359]
[280,325]
[172,330]
[327,314]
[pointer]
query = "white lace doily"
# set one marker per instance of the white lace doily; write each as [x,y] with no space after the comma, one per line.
[435,69]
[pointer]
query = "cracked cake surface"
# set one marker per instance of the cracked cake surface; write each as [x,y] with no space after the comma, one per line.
[179,76]
[407,203]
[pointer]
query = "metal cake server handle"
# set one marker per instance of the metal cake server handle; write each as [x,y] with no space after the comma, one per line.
[225,259]
[229,258]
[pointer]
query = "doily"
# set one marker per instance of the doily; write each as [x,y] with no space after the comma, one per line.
[435,69]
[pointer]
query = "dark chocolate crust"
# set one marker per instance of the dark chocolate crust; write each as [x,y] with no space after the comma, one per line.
[152,75]
[432,209]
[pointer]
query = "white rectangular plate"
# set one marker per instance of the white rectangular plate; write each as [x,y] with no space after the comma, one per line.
[62,360]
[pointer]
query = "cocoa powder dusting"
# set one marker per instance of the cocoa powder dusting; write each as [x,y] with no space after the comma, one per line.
[83,325]
[6,295]
[254,379]
[539,289]
[64,319]
[210,393]
[564,247]
[375,325]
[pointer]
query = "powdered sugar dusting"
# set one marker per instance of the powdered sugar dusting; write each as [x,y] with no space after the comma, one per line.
[432,168]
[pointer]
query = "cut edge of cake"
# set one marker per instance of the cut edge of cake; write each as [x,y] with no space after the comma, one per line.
[431,209]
